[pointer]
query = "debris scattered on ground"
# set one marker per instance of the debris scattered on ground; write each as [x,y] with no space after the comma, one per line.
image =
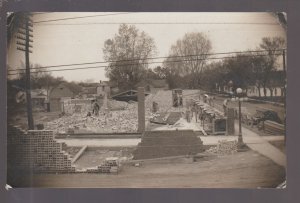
[113,121]
[110,165]
[224,147]
[122,116]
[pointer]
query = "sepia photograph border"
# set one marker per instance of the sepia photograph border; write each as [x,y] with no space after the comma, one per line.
[290,194]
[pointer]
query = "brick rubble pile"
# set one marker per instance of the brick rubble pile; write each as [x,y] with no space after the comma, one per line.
[224,147]
[121,118]
[114,121]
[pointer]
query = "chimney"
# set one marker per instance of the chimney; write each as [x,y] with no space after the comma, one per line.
[141,109]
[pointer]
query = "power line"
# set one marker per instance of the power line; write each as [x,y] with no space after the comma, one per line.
[145,63]
[150,58]
[70,18]
[165,23]
[40,13]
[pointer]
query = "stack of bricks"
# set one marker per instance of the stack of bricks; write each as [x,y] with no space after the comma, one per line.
[36,151]
[156,144]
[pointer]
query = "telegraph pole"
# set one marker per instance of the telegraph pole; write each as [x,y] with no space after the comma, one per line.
[284,89]
[24,39]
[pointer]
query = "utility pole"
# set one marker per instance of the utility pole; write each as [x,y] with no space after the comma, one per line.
[284,90]
[23,44]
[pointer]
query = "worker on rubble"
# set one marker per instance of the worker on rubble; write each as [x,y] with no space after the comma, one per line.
[193,111]
[188,115]
[225,103]
[212,101]
[96,108]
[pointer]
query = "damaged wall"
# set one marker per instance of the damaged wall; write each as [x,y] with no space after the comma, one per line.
[35,151]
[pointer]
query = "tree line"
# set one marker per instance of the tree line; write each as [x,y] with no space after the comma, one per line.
[130,53]
[188,64]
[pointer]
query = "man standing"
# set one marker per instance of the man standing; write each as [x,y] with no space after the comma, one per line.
[96,108]
[225,103]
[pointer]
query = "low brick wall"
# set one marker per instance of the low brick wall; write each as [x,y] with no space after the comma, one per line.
[36,151]
[156,144]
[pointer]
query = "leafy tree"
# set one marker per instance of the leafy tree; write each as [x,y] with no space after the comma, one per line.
[173,72]
[128,53]
[216,76]
[161,72]
[271,45]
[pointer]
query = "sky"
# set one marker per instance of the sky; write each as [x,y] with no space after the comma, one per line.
[81,40]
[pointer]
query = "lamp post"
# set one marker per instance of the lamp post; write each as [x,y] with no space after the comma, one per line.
[239,92]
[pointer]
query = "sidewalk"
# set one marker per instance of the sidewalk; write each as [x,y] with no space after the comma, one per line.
[213,140]
[262,146]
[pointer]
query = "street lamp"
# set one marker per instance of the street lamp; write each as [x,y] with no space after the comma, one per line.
[239,92]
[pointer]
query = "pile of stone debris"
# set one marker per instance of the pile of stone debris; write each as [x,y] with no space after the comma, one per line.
[110,165]
[224,147]
[122,116]
[113,121]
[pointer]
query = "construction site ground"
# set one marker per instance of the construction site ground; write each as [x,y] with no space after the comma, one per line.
[240,170]
[257,167]
[94,156]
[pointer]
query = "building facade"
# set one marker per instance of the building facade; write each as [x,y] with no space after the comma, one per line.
[57,95]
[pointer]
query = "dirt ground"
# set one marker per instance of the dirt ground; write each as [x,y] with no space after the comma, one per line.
[94,156]
[239,170]
[72,151]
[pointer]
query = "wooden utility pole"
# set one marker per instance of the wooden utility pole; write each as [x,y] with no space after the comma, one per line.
[24,39]
[284,90]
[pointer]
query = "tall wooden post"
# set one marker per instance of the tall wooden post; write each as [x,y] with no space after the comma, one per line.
[24,45]
[141,109]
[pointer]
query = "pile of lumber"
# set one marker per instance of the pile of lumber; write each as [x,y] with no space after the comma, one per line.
[272,127]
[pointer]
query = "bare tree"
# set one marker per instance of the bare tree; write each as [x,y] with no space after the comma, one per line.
[129,53]
[195,47]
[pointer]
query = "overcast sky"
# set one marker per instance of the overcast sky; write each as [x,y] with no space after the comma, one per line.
[81,40]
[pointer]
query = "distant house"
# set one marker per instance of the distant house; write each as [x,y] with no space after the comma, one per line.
[89,92]
[38,98]
[103,88]
[95,90]
[153,85]
[58,94]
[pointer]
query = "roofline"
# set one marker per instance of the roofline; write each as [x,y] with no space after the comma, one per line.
[59,85]
[123,92]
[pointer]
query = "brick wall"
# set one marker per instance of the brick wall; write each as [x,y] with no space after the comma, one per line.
[35,151]
[155,144]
